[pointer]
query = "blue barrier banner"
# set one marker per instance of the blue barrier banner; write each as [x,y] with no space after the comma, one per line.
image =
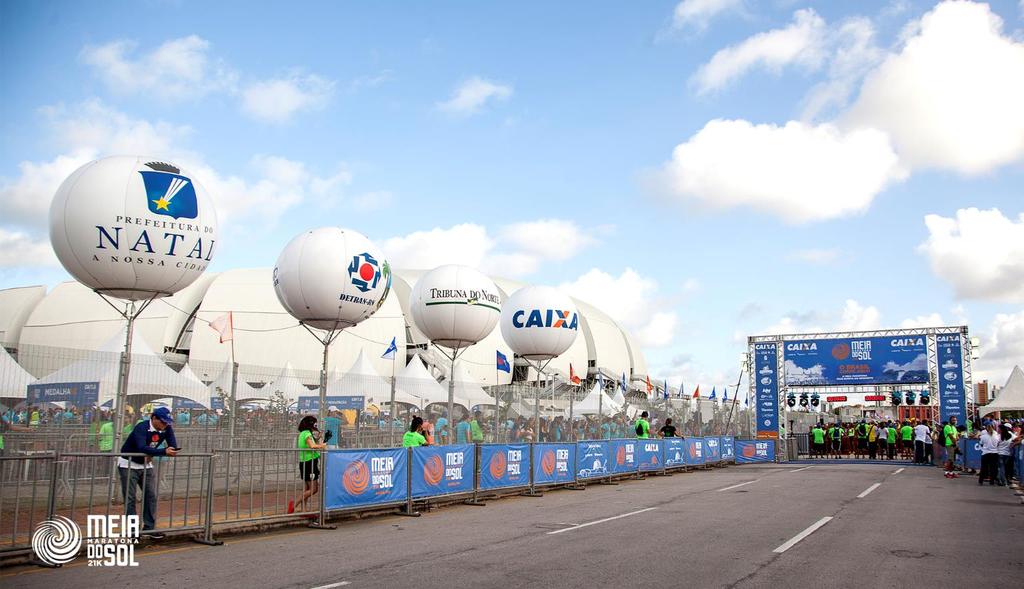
[592,459]
[79,394]
[504,465]
[712,450]
[554,463]
[952,393]
[439,470]
[675,452]
[365,477]
[970,453]
[766,356]
[860,360]
[309,403]
[649,454]
[728,452]
[622,455]
[748,451]
[694,455]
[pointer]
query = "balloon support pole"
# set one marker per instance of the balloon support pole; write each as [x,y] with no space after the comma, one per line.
[327,339]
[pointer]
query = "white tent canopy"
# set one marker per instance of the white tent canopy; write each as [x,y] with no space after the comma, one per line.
[14,379]
[597,400]
[361,380]
[286,383]
[1011,397]
[416,386]
[222,385]
[148,377]
[618,397]
[468,391]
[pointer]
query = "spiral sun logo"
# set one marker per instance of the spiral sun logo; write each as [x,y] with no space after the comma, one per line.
[57,541]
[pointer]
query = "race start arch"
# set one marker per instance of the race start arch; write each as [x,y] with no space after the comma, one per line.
[936,359]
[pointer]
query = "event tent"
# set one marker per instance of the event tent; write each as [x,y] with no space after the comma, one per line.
[596,400]
[286,383]
[14,379]
[222,383]
[1011,397]
[149,378]
[416,386]
[361,380]
[468,391]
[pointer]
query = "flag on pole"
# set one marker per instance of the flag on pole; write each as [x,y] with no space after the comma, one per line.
[746,400]
[714,395]
[622,384]
[503,364]
[696,392]
[572,376]
[725,394]
[390,352]
[649,386]
[665,395]
[224,325]
[600,380]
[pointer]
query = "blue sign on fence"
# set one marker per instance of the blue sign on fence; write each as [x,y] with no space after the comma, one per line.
[649,454]
[749,451]
[712,450]
[504,465]
[766,357]
[441,470]
[554,463]
[675,452]
[622,455]
[952,397]
[970,453]
[694,455]
[309,403]
[592,459]
[79,394]
[365,477]
[179,403]
[728,452]
[860,360]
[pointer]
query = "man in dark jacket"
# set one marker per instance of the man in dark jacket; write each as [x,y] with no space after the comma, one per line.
[137,471]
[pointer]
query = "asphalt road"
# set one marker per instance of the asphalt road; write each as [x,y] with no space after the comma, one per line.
[731,527]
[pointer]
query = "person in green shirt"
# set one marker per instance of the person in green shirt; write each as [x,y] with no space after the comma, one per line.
[891,440]
[309,461]
[907,439]
[476,433]
[835,436]
[949,436]
[105,438]
[414,437]
[818,437]
[643,428]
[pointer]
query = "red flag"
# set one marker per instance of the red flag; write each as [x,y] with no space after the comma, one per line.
[224,325]
[572,376]
[649,387]
[696,393]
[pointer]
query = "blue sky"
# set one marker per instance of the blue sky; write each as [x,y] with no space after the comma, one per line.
[702,170]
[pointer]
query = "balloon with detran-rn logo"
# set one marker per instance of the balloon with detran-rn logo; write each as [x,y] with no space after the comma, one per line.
[331,278]
[455,306]
[539,322]
[133,227]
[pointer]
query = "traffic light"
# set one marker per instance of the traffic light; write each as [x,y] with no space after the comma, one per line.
[897,397]
[803,399]
[791,400]
[923,399]
[814,400]
[910,397]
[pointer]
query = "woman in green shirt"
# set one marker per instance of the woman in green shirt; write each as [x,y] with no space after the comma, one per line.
[414,437]
[309,461]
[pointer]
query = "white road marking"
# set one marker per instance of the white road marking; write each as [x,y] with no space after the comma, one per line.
[739,485]
[868,490]
[899,470]
[333,585]
[601,521]
[810,530]
[799,469]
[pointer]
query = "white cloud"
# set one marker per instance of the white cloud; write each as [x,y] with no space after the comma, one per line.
[473,94]
[277,100]
[798,172]
[1001,349]
[853,316]
[802,44]
[698,13]
[513,250]
[951,98]
[19,249]
[816,256]
[630,299]
[930,320]
[979,253]
[179,69]
[854,52]
[857,317]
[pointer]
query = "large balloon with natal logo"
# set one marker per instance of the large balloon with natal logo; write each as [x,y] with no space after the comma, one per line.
[455,307]
[540,323]
[330,279]
[136,229]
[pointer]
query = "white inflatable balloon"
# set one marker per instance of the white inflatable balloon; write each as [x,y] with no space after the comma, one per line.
[331,278]
[455,306]
[539,322]
[133,227]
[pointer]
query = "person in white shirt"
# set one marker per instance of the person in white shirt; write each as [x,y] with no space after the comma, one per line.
[883,439]
[989,442]
[1003,449]
[920,436]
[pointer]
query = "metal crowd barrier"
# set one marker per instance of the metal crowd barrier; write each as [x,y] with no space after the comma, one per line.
[196,492]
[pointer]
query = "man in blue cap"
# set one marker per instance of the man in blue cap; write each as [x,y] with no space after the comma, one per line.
[137,471]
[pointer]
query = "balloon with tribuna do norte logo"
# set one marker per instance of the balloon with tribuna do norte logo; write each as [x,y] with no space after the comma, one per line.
[133,228]
[455,307]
